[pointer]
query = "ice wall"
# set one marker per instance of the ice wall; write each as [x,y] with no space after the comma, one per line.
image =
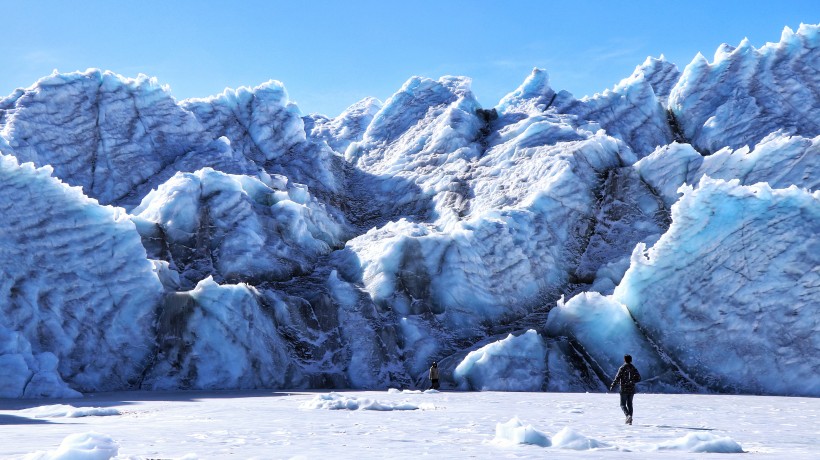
[348,127]
[261,122]
[631,110]
[26,374]
[237,228]
[218,336]
[730,291]
[113,136]
[747,93]
[780,161]
[517,243]
[75,281]
[605,331]
[511,364]
[267,128]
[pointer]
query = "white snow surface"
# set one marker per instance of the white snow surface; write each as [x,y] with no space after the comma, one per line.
[703,443]
[265,424]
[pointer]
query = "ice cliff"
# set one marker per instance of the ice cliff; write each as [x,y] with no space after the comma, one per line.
[233,242]
[76,287]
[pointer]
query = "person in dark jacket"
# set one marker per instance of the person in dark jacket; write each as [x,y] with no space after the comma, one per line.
[434,375]
[626,377]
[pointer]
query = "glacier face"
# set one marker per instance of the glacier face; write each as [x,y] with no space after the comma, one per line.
[76,282]
[231,242]
[236,227]
[115,137]
[733,286]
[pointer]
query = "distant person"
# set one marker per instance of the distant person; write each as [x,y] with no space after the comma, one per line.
[434,376]
[626,377]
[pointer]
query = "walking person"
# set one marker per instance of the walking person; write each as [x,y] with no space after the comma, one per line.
[434,376]
[626,377]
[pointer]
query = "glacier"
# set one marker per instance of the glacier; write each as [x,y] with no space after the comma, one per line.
[231,242]
[748,307]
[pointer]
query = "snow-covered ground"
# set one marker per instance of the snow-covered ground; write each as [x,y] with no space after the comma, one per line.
[406,424]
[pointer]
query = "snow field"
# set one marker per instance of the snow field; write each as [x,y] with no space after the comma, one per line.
[262,424]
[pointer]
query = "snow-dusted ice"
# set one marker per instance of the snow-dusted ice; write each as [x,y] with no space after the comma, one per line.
[65,410]
[81,446]
[511,364]
[336,401]
[486,425]
[515,432]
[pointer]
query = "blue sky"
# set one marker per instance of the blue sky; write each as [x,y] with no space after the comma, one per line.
[329,54]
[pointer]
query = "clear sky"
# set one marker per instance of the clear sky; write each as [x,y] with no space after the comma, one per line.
[329,54]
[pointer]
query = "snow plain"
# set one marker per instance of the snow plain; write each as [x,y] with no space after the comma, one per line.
[265,424]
